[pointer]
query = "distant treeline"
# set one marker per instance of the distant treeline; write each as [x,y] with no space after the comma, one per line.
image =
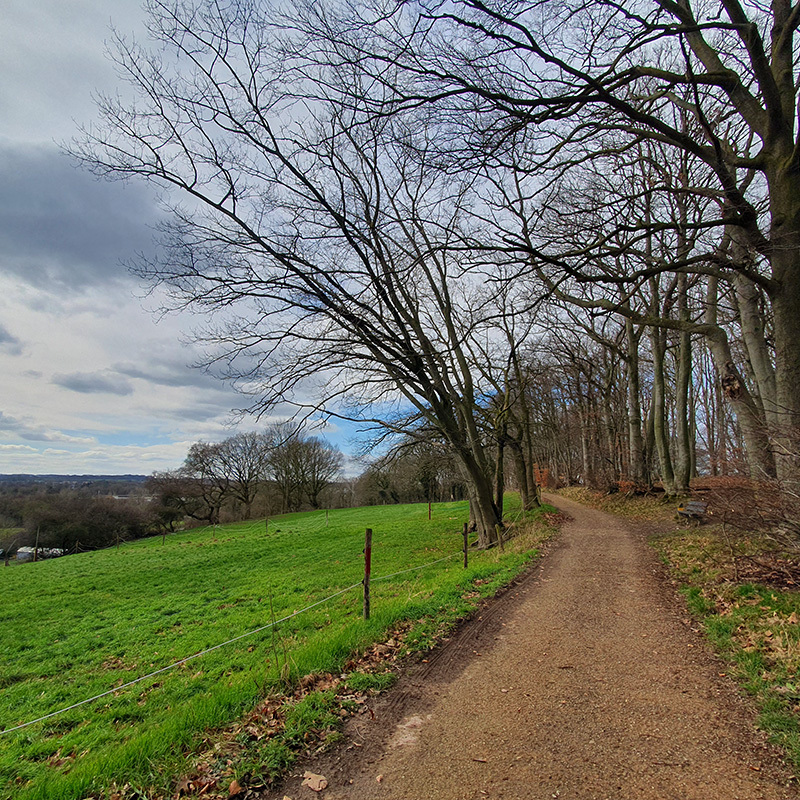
[98,484]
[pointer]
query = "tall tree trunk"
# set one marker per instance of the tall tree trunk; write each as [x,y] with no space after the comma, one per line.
[660,432]
[786,310]
[521,470]
[523,447]
[683,458]
[784,184]
[650,444]
[635,441]
[499,465]
[754,338]
[751,422]
[722,424]
[484,514]
[586,464]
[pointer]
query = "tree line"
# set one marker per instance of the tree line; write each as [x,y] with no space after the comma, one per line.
[270,472]
[546,232]
[245,476]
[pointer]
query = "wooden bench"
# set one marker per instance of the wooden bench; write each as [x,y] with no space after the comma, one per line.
[693,509]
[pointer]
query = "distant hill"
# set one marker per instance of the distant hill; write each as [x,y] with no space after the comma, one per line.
[98,483]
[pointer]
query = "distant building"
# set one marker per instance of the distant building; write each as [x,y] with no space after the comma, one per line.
[25,554]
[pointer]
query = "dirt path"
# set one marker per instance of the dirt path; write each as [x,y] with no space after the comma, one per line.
[583,682]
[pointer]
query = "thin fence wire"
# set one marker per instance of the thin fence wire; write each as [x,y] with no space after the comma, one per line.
[216,647]
[415,569]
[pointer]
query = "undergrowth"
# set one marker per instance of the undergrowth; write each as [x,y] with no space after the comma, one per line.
[633,507]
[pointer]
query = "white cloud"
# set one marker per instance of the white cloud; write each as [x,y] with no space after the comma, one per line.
[17,448]
[70,388]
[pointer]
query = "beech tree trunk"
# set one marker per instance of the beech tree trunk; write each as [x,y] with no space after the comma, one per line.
[636,465]
[683,457]
[752,424]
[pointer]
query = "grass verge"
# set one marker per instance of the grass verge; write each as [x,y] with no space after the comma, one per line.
[753,625]
[742,591]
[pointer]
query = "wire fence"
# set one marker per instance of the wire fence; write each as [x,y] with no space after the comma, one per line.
[208,650]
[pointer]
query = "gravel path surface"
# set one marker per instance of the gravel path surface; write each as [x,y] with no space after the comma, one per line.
[585,681]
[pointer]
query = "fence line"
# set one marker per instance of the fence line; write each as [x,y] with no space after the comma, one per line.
[215,647]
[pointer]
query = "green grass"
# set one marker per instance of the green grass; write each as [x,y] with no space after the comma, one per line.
[317,711]
[79,626]
[755,628]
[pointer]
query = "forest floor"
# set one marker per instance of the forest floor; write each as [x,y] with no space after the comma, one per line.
[585,680]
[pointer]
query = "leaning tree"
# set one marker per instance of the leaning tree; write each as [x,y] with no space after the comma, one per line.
[320,239]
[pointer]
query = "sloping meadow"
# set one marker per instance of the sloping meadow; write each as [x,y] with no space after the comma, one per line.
[78,627]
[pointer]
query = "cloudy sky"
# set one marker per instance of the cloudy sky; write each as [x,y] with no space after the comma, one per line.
[91,380]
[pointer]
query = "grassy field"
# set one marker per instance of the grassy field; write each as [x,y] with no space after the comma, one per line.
[79,626]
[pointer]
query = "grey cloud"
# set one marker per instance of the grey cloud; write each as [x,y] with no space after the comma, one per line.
[207,398]
[60,228]
[8,423]
[33,433]
[170,372]
[9,343]
[94,383]
[200,413]
[52,59]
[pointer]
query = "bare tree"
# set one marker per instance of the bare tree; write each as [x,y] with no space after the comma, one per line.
[322,464]
[243,458]
[320,239]
[208,480]
[301,466]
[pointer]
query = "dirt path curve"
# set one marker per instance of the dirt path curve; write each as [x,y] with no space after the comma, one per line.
[587,685]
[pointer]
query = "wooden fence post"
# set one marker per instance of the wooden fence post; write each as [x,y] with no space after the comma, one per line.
[465,534]
[367,570]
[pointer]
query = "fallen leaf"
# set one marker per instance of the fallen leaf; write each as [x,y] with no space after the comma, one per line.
[234,789]
[315,782]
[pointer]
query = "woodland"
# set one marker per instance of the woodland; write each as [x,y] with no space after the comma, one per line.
[553,241]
